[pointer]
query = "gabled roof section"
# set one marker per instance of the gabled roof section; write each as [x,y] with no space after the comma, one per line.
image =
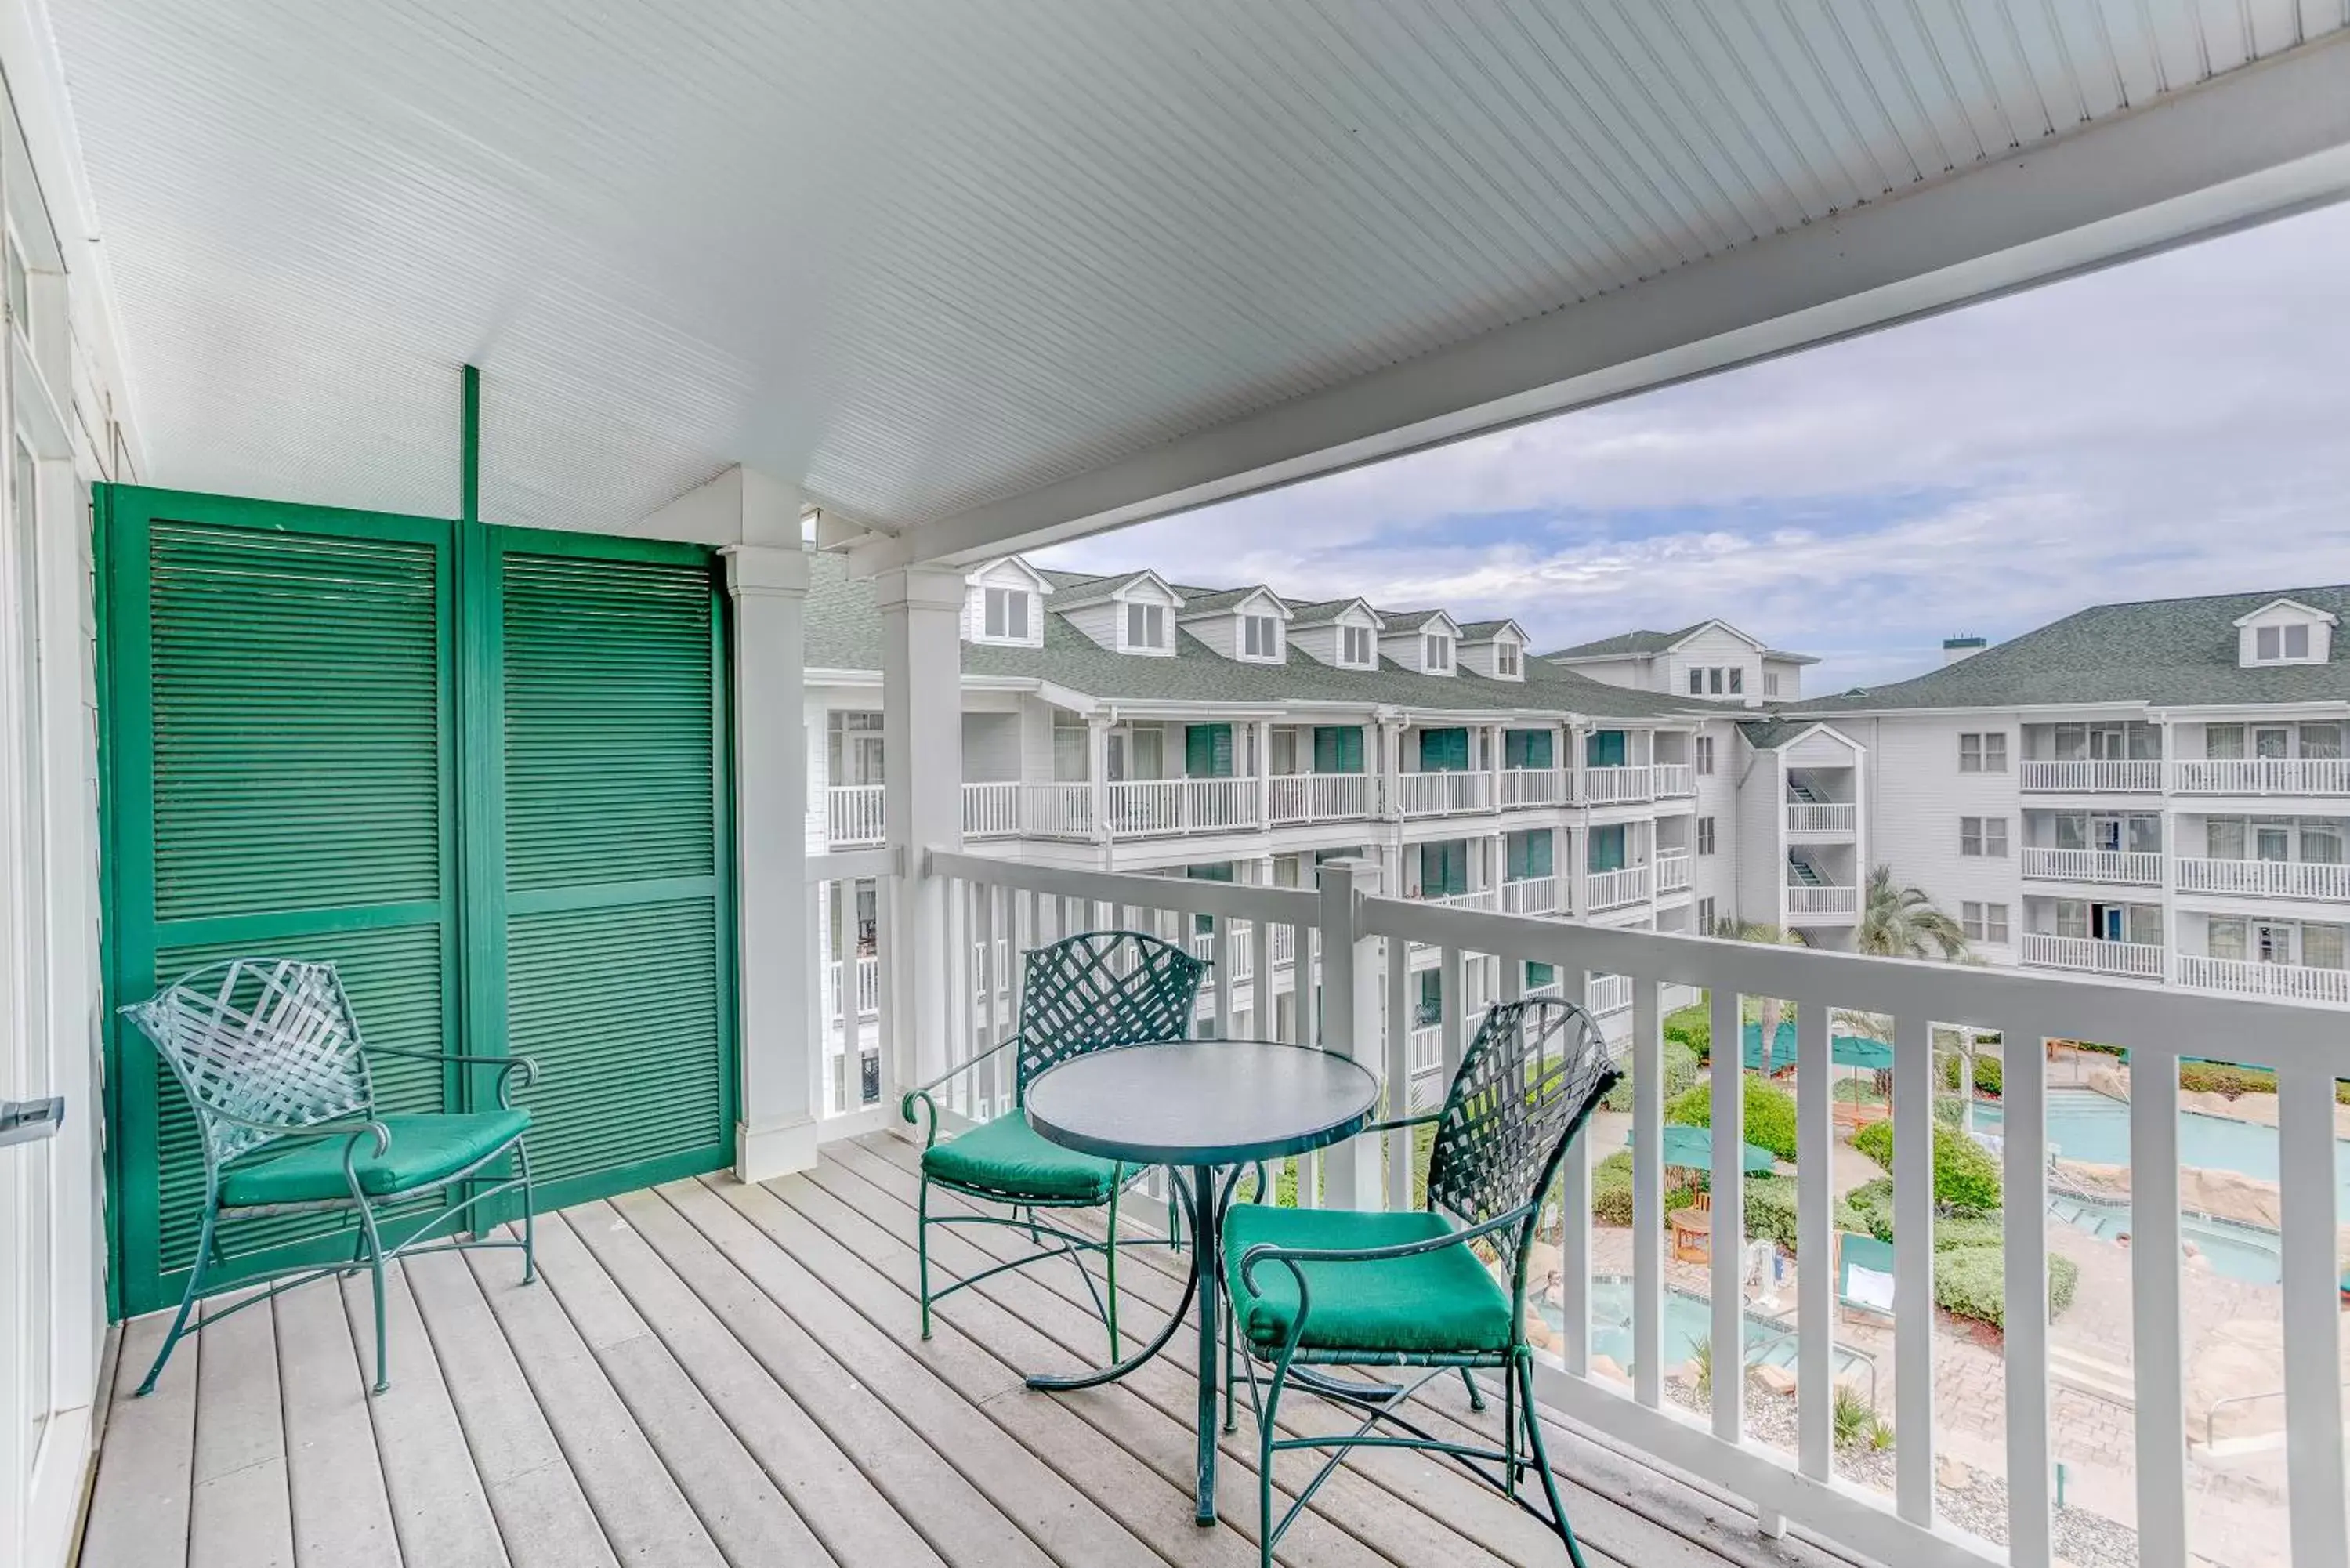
[1321,612]
[1487,631]
[1781,656]
[2285,602]
[2154,653]
[1418,620]
[1776,734]
[1232,601]
[1036,579]
[1097,589]
[1636,644]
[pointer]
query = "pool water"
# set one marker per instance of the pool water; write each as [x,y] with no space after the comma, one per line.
[1687,1323]
[2086,1126]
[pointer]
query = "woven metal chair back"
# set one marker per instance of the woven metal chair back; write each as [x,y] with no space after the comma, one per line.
[1527,1084]
[260,1040]
[1099,989]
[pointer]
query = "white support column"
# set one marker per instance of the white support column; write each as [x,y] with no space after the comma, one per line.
[1098,776]
[1350,1019]
[781,1047]
[921,753]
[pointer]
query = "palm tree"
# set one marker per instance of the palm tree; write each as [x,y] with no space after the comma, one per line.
[1772,1008]
[1902,922]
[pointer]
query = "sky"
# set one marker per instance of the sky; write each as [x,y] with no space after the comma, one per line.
[2176,425]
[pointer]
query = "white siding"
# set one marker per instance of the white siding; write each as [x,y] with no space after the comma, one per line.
[1711,648]
[1914,795]
[1761,858]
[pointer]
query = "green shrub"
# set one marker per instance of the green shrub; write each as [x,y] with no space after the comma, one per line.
[1950,1110]
[1971,1282]
[1988,1076]
[1771,1209]
[1680,1072]
[1693,1027]
[1611,1191]
[1770,1114]
[1966,1179]
[1955,1230]
[1867,1210]
[2225,1078]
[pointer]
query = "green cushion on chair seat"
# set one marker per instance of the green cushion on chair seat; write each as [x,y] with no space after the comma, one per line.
[1009,1158]
[425,1151]
[1439,1302]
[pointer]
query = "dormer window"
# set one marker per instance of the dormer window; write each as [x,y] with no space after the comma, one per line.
[2285,631]
[1008,615]
[1355,648]
[1260,637]
[1436,654]
[2280,643]
[1146,628]
[1505,660]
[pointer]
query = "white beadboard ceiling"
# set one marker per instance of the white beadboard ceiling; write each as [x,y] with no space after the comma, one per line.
[924,256]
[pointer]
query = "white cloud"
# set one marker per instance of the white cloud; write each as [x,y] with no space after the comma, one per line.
[2172,425]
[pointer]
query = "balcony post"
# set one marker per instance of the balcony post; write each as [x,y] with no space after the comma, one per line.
[921,752]
[1350,1017]
[780,989]
[1097,778]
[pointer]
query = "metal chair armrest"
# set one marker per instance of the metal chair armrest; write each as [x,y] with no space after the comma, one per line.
[921,1092]
[508,1066]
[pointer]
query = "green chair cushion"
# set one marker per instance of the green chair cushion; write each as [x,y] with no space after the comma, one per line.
[1441,1302]
[425,1151]
[1008,1157]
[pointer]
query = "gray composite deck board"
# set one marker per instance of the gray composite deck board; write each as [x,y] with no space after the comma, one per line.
[709,1373]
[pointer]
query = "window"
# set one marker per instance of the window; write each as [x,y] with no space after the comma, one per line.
[1705,753]
[2223,742]
[2296,643]
[1072,753]
[1705,919]
[1007,615]
[1505,660]
[1985,837]
[1145,626]
[1705,836]
[1995,922]
[2320,740]
[1354,646]
[1737,682]
[2267,639]
[1984,922]
[1526,749]
[1713,680]
[2321,947]
[2285,644]
[1696,682]
[1970,754]
[1983,752]
[1436,655]
[1769,684]
[1260,637]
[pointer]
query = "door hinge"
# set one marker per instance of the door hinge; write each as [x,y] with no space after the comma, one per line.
[22,1121]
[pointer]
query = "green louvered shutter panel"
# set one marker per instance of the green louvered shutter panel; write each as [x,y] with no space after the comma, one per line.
[617,930]
[1338,749]
[1443,751]
[1208,750]
[279,714]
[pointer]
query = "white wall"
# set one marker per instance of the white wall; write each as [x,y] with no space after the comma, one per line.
[1914,795]
[1714,648]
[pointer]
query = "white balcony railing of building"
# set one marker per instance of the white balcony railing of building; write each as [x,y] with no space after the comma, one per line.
[2092,955]
[2098,776]
[1613,889]
[1532,896]
[2018,1433]
[853,816]
[866,974]
[1608,994]
[1674,871]
[2125,867]
[1444,794]
[2261,776]
[1484,899]
[1537,787]
[2266,878]
[1813,901]
[1617,786]
[1154,808]
[991,810]
[1836,818]
[1293,798]
[2240,977]
[1673,781]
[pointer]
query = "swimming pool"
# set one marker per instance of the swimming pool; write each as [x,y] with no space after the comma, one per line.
[1687,1323]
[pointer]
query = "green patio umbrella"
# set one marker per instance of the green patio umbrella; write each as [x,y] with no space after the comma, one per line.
[1860,1050]
[1691,1149]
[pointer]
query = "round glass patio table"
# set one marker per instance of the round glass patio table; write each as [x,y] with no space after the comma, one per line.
[1209,1109]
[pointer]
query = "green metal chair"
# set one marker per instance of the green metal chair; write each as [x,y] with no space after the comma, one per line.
[1414,1288]
[270,1056]
[1085,992]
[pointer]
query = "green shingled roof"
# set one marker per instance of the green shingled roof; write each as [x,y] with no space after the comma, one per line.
[2158,652]
[844,632]
[1625,642]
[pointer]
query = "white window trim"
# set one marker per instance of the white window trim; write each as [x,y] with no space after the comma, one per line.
[1430,642]
[1127,610]
[1246,622]
[1348,632]
[1030,613]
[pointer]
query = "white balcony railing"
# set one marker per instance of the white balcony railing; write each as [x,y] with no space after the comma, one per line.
[2092,955]
[1673,872]
[1293,798]
[853,816]
[1809,901]
[1613,889]
[1484,899]
[1673,781]
[1531,895]
[2107,775]
[866,975]
[1617,786]
[2019,1433]
[1537,787]
[1154,808]
[2261,776]
[2239,977]
[1825,819]
[991,810]
[1444,794]
[1608,994]
[2266,878]
[2122,867]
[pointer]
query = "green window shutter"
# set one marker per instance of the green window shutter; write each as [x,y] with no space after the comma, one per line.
[1608,848]
[1443,751]
[1431,998]
[618,973]
[1604,748]
[1530,853]
[1338,749]
[1539,975]
[1526,749]
[1443,868]
[280,784]
[1208,750]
